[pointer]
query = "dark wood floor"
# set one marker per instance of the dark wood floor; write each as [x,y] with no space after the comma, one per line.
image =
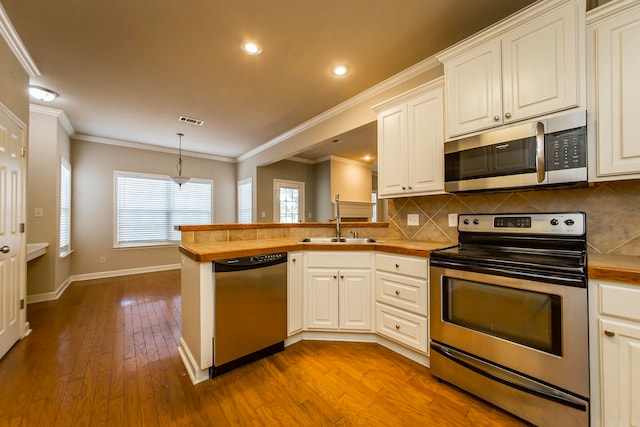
[106,353]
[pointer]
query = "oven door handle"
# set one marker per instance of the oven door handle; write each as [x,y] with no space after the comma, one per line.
[509,378]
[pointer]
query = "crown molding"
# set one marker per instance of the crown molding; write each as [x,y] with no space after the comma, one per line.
[54,112]
[15,44]
[403,76]
[148,147]
[3,109]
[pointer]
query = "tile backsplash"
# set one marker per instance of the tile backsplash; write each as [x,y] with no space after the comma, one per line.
[612,209]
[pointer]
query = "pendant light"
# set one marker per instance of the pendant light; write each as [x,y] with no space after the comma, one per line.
[180,179]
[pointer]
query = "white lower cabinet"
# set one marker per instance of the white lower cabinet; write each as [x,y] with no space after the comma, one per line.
[402,300]
[295,302]
[338,291]
[615,355]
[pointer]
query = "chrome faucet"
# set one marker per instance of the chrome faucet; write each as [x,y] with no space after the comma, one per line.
[338,231]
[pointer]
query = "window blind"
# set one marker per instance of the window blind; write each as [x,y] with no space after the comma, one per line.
[65,207]
[149,206]
[244,201]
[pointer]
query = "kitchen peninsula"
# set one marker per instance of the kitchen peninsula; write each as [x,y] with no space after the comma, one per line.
[203,244]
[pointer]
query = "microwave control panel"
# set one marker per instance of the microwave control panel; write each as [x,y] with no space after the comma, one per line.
[566,149]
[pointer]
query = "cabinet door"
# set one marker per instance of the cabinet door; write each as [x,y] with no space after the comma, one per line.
[321,299]
[473,88]
[620,373]
[295,302]
[355,300]
[425,147]
[392,151]
[618,96]
[540,65]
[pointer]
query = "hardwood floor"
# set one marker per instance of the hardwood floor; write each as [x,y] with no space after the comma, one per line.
[105,353]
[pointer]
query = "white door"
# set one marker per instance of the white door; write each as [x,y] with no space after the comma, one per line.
[321,296]
[355,300]
[288,201]
[11,239]
[392,151]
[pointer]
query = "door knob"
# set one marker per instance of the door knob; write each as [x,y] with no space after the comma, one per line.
[5,249]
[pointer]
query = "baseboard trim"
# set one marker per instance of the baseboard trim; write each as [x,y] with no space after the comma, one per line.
[126,272]
[407,352]
[51,296]
[196,374]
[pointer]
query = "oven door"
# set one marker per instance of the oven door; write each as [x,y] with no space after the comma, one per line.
[536,329]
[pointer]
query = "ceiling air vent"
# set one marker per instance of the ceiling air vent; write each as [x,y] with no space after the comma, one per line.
[191,121]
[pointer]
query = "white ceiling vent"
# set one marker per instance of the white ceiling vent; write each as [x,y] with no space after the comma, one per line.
[191,121]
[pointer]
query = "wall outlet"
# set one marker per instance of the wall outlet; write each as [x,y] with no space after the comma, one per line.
[39,213]
[413,220]
[263,214]
[453,220]
[102,260]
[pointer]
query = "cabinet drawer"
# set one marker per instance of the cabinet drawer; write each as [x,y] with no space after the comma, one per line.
[405,328]
[620,301]
[403,292]
[411,266]
[339,259]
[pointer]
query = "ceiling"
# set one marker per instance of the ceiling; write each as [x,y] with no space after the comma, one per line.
[127,70]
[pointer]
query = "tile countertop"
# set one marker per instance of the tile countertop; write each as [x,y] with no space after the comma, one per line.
[206,252]
[617,268]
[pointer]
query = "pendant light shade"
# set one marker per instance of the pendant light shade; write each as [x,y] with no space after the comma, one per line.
[180,179]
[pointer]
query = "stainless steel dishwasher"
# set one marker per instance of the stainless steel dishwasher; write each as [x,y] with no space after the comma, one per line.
[250,309]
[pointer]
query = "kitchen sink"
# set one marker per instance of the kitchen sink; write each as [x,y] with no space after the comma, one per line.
[339,240]
[320,240]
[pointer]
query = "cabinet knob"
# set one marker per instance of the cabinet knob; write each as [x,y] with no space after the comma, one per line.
[293,259]
[335,277]
[507,115]
[397,265]
[397,292]
[404,188]
[5,249]
[410,188]
[342,277]
[496,118]
[397,326]
[609,333]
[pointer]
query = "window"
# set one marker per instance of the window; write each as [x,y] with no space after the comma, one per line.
[149,206]
[65,207]
[244,201]
[288,201]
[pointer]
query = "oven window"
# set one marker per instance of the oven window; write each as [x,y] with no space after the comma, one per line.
[529,318]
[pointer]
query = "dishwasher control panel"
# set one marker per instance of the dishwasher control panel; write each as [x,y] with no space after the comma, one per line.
[256,261]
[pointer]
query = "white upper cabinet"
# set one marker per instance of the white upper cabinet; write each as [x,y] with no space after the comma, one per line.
[526,66]
[614,91]
[411,143]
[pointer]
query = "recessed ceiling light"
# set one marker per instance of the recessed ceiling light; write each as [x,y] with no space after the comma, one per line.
[339,70]
[367,157]
[42,94]
[252,48]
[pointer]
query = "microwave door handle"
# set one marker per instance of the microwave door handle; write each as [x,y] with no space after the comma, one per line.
[540,152]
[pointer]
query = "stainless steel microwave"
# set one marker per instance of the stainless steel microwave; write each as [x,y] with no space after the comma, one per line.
[545,152]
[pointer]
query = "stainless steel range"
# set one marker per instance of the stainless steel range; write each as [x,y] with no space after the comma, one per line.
[509,317]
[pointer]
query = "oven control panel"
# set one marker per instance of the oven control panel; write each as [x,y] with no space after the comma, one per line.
[559,223]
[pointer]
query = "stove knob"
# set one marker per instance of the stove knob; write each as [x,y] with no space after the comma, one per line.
[554,222]
[569,222]
[476,222]
[466,222]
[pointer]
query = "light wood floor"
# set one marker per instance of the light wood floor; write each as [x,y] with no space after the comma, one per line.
[106,353]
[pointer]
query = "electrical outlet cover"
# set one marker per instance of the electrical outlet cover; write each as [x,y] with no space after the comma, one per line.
[413,220]
[453,220]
